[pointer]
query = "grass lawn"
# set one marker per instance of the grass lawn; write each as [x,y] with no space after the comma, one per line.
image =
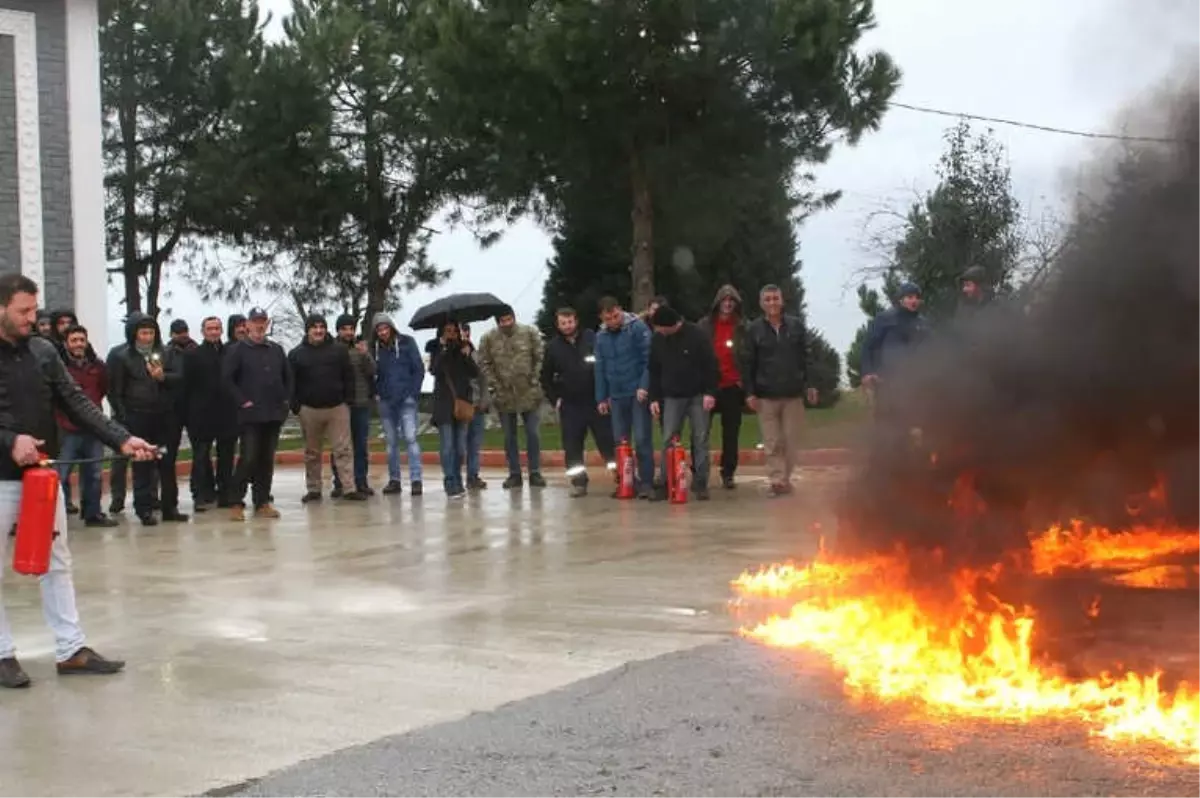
[827,428]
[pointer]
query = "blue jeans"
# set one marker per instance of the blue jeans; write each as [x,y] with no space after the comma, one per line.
[628,414]
[360,427]
[691,409]
[475,444]
[82,446]
[399,418]
[531,420]
[452,438]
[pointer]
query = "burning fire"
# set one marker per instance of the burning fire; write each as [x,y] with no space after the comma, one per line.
[972,653]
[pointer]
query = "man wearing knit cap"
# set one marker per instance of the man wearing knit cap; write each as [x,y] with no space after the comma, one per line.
[683,385]
[891,334]
[324,388]
[511,359]
[363,366]
[257,373]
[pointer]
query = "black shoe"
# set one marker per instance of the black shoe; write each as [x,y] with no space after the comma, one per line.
[116,509]
[101,521]
[513,483]
[72,508]
[175,516]
[337,492]
[578,491]
[12,674]
[727,483]
[147,519]
[476,484]
[201,506]
[311,496]
[648,493]
[366,490]
[392,487]
[537,481]
[417,488]
[85,661]
[354,496]
[701,494]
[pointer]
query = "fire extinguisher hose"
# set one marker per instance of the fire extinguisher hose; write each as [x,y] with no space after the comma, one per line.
[108,458]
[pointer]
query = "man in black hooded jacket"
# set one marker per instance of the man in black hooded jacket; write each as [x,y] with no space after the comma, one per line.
[142,382]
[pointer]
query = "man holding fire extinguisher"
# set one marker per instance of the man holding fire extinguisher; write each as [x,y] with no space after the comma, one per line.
[36,384]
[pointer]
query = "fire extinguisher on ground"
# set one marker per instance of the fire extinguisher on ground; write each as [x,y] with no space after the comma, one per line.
[678,472]
[626,481]
[35,530]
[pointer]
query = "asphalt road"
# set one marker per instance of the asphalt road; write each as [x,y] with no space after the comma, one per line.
[728,719]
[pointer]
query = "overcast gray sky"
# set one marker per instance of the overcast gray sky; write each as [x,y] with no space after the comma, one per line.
[1063,63]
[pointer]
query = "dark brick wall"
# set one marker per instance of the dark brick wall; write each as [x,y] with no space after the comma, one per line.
[58,252]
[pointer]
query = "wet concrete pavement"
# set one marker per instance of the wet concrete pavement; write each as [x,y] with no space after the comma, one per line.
[253,646]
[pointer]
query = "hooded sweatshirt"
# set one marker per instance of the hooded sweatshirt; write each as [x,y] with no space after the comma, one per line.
[728,336]
[233,321]
[399,369]
[621,359]
[131,389]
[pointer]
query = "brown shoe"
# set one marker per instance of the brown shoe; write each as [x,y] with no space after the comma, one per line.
[88,662]
[237,513]
[12,674]
[266,511]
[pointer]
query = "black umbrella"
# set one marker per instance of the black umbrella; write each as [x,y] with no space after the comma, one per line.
[463,308]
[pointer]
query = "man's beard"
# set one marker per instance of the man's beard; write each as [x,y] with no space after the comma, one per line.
[11,331]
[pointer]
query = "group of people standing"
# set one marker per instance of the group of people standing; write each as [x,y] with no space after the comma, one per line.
[613,382]
[235,387]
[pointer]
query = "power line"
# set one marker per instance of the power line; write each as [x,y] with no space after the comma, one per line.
[1044,128]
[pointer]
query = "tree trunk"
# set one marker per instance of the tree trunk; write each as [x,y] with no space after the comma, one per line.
[642,271]
[376,288]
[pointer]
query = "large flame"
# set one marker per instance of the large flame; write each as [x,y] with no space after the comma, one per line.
[972,654]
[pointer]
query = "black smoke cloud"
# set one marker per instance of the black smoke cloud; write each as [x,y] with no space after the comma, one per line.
[1072,405]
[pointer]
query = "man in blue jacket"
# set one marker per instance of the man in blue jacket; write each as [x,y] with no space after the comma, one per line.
[622,383]
[399,373]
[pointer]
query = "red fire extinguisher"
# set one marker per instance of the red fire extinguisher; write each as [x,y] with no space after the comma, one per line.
[678,472]
[626,484]
[35,521]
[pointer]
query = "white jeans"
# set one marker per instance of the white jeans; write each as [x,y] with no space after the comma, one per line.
[58,589]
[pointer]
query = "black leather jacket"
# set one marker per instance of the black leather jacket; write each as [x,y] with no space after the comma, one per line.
[33,384]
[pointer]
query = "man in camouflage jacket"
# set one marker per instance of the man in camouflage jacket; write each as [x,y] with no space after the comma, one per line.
[511,359]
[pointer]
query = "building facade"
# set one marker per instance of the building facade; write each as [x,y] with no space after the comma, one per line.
[51,159]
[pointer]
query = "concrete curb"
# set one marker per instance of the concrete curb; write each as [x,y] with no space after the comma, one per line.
[494,458]
[551,459]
